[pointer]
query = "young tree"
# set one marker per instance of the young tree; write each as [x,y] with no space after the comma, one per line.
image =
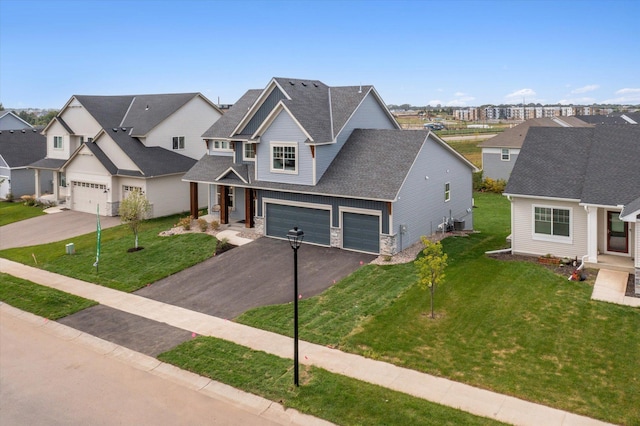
[431,267]
[133,210]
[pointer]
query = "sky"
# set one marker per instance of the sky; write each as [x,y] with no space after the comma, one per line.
[453,53]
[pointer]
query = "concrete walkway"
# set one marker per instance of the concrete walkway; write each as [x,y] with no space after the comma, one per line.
[442,391]
[611,286]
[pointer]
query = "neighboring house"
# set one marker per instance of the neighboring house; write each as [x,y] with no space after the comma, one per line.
[627,118]
[10,121]
[101,147]
[334,162]
[500,153]
[18,149]
[576,192]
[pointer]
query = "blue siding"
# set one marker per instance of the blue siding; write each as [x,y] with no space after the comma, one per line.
[284,129]
[421,205]
[369,115]
[493,167]
[334,202]
[267,106]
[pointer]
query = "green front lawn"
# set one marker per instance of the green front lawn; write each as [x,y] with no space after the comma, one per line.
[322,394]
[15,212]
[40,300]
[119,269]
[511,327]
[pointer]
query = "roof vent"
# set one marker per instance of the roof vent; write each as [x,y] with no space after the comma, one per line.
[24,131]
[10,131]
[124,129]
[304,84]
[292,83]
[147,108]
[33,130]
[315,84]
[115,129]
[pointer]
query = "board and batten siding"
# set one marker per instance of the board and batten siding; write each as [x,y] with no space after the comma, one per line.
[494,167]
[421,204]
[334,202]
[522,238]
[369,115]
[284,129]
[263,112]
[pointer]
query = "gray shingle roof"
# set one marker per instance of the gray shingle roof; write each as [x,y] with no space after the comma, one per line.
[107,110]
[513,137]
[609,119]
[48,164]
[209,167]
[594,165]
[147,111]
[224,126]
[20,148]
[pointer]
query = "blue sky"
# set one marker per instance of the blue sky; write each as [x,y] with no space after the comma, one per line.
[462,53]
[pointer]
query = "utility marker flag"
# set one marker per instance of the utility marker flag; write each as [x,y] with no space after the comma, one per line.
[98,239]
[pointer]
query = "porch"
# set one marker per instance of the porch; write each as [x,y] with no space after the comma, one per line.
[613,263]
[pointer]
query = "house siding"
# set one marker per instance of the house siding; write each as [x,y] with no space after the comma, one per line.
[369,115]
[494,167]
[285,129]
[265,109]
[9,122]
[22,181]
[169,195]
[421,206]
[522,237]
[334,202]
[117,156]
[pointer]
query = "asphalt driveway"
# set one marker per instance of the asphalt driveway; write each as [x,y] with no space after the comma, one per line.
[256,274]
[61,226]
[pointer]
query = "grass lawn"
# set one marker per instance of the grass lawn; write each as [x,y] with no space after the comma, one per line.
[512,327]
[469,149]
[40,300]
[118,269]
[322,394]
[14,212]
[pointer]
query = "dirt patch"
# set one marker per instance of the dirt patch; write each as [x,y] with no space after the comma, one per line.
[134,249]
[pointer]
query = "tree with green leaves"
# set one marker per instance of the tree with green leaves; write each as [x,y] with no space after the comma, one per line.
[431,267]
[133,211]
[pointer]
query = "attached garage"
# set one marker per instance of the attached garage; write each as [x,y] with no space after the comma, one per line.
[361,232]
[315,223]
[85,196]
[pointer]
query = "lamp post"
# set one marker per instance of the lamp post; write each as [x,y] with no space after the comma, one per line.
[295,237]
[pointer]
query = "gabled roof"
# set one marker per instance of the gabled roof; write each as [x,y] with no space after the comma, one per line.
[107,110]
[8,118]
[596,165]
[513,137]
[626,118]
[212,167]
[223,127]
[19,148]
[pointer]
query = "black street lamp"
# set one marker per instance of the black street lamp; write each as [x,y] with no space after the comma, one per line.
[295,237]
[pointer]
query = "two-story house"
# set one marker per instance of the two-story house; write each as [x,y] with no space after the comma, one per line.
[102,147]
[334,162]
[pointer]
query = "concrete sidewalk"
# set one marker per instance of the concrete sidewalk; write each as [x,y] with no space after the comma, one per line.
[611,286]
[442,391]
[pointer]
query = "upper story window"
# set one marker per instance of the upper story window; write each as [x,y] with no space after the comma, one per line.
[178,142]
[248,151]
[57,142]
[447,191]
[505,154]
[221,146]
[284,157]
[549,221]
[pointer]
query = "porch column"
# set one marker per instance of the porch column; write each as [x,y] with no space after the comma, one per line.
[592,234]
[56,183]
[248,208]
[193,197]
[38,189]
[224,203]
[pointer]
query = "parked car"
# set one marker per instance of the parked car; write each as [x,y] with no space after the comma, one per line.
[434,126]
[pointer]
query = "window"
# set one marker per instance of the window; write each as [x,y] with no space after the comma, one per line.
[178,142]
[550,221]
[57,142]
[447,191]
[249,151]
[231,191]
[221,146]
[283,158]
[505,154]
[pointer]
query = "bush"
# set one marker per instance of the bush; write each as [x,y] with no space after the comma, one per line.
[215,225]
[477,181]
[492,185]
[28,200]
[203,225]
[9,197]
[185,223]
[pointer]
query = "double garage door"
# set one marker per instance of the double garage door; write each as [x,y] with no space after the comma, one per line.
[86,196]
[360,232]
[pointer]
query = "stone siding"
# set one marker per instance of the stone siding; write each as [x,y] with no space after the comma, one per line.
[336,237]
[258,225]
[637,281]
[388,245]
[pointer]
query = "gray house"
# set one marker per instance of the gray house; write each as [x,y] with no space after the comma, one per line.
[500,153]
[334,162]
[20,145]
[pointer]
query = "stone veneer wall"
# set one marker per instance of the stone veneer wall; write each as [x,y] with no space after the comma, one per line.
[335,238]
[388,245]
[637,281]
[258,225]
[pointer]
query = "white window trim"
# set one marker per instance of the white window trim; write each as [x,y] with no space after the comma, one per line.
[447,193]
[551,238]
[283,144]
[61,142]
[184,143]
[508,154]
[228,149]
[244,158]
[232,196]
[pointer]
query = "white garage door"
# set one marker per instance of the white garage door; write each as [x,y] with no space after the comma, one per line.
[86,196]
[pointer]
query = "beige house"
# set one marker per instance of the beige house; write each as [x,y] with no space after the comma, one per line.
[102,147]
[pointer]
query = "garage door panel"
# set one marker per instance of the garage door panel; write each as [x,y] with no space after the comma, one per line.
[86,196]
[315,223]
[361,232]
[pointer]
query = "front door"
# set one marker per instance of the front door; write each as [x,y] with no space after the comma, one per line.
[617,233]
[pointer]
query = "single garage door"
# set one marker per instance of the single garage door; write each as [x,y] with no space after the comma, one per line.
[361,232]
[85,196]
[315,223]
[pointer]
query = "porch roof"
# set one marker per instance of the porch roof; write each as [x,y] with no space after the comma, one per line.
[47,164]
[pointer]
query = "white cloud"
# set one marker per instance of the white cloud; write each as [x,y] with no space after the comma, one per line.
[519,94]
[628,91]
[461,100]
[585,100]
[627,96]
[457,94]
[435,102]
[585,89]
